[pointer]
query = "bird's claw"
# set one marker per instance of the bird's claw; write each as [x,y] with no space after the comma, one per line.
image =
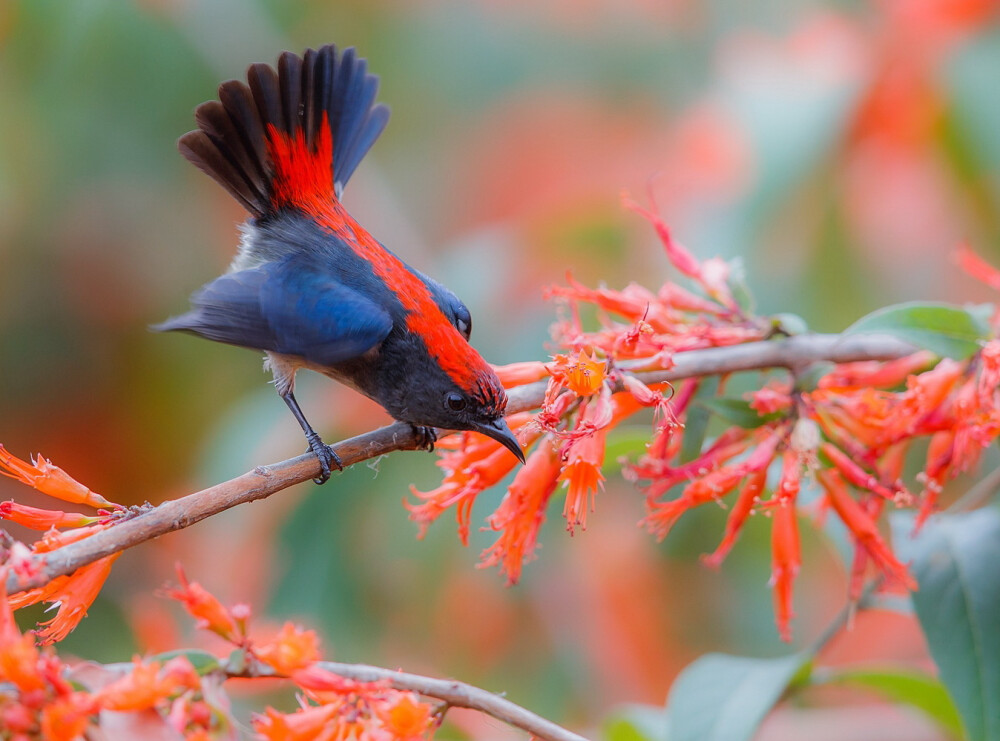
[328,459]
[426,437]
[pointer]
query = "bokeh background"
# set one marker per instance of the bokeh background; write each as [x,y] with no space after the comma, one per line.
[840,149]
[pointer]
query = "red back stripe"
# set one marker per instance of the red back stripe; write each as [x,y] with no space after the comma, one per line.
[304,179]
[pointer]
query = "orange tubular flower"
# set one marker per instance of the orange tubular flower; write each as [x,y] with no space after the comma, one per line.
[405,717]
[892,462]
[877,373]
[863,528]
[926,393]
[711,274]
[18,653]
[712,486]
[769,400]
[633,303]
[972,417]
[54,539]
[203,606]
[519,374]
[869,416]
[785,562]
[709,488]
[939,459]
[679,255]
[583,373]
[641,395]
[66,718]
[583,477]
[791,478]
[293,648]
[679,298]
[324,684]
[522,512]
[147,684]
[749,496]
[17,720]
[50,479]
[19,663]
[861,478]
[74,594]
[977,267]
[42,519]
[306,724]
[729,444]
[478,463]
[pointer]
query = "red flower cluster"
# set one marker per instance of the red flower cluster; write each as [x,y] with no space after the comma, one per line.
[850,433]
[39,700]
[72,595]
[332,707]
[591,388]
[43,697]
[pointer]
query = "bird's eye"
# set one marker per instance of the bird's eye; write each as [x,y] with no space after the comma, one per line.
[455,402]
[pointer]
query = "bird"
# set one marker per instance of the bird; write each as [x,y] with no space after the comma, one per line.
[309,286]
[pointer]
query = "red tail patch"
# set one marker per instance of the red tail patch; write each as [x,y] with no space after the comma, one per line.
[302,177]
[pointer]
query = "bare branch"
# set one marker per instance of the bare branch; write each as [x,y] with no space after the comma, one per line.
[176,514]
[453,694]
[459,695]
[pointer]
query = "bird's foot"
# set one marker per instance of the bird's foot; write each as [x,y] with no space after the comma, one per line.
[327,458]
[426,437]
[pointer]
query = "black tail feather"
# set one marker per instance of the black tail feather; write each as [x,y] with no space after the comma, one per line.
[290,85]
[199,149]
[266,92]
[231,142]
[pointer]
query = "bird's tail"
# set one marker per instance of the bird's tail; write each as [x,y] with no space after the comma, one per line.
[290,135]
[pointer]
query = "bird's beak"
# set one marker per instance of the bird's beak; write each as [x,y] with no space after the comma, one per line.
[499,431]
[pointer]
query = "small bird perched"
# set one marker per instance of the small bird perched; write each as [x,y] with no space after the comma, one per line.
[309,285]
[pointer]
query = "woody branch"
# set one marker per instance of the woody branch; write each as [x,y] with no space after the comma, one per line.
[458,695]
[452,693]
[263,481]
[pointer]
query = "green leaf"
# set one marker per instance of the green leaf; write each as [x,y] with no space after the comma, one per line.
[202,661]
[696,421]
[955,560]
[636,723]
[725,698]
[919,690]
[944,329]
[737,411]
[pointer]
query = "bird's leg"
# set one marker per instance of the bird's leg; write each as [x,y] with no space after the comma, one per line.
[426,437]
[327,458]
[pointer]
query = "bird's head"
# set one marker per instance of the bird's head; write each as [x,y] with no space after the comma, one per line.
[478,406]
[482,410]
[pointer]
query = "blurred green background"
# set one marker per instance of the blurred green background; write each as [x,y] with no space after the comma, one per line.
[840,149]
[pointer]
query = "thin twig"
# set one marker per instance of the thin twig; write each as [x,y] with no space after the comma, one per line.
[459,695]
[451,693]
[177,514]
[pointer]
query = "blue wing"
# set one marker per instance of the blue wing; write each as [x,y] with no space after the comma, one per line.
[286,307]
